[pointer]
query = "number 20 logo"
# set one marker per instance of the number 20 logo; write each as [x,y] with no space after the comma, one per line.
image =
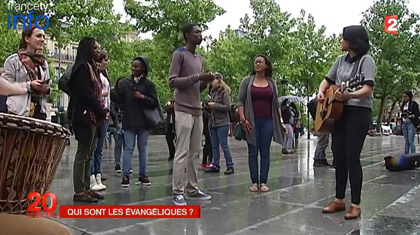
[33,207]
[391,24]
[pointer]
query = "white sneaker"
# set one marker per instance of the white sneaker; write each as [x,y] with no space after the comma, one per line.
[93,184]
[99,182]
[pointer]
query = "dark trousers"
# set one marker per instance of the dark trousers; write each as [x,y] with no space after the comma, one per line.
[264,129]
[348,138]
[170,137]
[208,148]
[81,166]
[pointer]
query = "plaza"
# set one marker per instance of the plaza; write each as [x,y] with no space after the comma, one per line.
[298,191]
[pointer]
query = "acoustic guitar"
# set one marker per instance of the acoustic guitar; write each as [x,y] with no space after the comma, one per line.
[329,110]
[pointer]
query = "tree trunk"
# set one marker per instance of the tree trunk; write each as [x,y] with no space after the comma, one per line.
[379,120]
[392,110]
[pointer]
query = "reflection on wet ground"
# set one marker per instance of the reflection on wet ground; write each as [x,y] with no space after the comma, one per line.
[390,201]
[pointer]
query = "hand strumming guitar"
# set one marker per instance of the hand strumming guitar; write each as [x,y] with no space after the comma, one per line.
[342,96]
[320,96]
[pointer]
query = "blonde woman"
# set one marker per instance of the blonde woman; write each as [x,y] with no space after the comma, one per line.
[219,124]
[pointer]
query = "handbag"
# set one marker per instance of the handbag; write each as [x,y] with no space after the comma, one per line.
[63,82]
[154,117]
[239,132]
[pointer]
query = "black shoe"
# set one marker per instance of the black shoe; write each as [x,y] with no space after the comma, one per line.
[125,182]
[325,162]
[318,163]
[229,171]
[170,159]
[96,195]
[212,169]
[117,168]
[144,180]
[84,198]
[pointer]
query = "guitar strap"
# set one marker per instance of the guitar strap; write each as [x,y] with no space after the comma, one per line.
[357,67]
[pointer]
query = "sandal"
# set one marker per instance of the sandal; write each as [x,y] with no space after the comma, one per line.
[254,188]
[264,188]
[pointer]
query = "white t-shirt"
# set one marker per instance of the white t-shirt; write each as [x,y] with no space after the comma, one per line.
[106,87]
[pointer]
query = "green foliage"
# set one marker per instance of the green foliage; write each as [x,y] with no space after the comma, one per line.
[396,56]
[165,18]
[9,38]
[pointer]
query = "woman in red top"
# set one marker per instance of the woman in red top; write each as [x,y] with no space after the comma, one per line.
[260,116]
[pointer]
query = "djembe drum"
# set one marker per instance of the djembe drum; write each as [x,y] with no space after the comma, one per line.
[30,151]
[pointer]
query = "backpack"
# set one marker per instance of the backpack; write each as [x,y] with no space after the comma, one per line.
[63,82]
[403,162]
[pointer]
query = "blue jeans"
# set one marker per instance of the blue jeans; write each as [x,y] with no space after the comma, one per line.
[130,142]
[118,134]
[219,137]
[409,131]
[96,160]
[289,138]
[264,130]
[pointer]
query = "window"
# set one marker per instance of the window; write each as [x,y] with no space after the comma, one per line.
[74,52]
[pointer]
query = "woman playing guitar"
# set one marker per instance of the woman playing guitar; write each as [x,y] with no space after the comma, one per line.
[350,131]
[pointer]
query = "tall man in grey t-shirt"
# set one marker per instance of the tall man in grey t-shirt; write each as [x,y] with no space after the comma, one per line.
[187,77]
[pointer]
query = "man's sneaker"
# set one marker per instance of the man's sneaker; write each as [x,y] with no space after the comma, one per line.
[117,168]
[318,163]
[99,182]
[198,196]
[131,170]
[94,185]
[125,182]
[179,200]
[144,180]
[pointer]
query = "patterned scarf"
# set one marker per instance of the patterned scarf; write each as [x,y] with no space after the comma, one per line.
[97,90]
[31,61]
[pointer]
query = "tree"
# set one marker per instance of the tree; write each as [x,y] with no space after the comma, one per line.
[312,57]
[231,55]
[165,18]
[8,37]
[396,56]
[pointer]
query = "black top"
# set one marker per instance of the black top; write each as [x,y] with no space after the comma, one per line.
[413,108]
[134,117]
[286,114]
[83,98]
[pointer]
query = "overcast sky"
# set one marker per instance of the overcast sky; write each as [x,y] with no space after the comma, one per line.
[334,14]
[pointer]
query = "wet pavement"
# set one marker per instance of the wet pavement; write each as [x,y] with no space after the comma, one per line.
[390,200]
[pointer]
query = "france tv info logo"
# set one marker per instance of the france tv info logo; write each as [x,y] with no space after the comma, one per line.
[391,24]
[40,21]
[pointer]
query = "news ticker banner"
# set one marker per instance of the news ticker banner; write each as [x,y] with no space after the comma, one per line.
[40,208]
[124,211]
